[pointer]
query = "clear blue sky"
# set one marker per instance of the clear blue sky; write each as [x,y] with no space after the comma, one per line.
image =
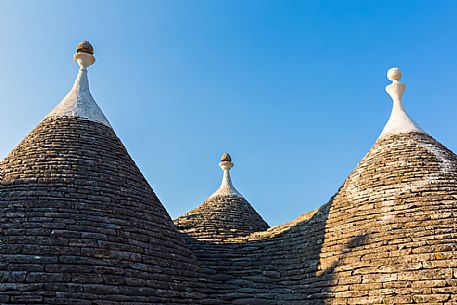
[294,90]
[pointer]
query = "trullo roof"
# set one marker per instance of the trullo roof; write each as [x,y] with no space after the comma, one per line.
[388,236]
[80,224]
[224,215]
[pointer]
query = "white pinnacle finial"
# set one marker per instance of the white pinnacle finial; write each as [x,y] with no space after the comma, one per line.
[226,188]
[399,121]
[79,103]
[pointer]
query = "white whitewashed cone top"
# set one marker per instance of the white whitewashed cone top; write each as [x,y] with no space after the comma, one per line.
[399,121]
[79,103]
[226,188]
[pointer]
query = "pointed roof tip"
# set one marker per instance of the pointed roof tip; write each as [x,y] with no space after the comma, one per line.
[399,121]
[79,103]
[224,215]
[226,188]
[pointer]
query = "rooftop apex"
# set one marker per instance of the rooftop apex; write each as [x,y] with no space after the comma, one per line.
[399,121]
[79,103]
[226,188]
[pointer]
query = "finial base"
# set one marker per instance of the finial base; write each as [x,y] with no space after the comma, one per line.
[396,90]
[83,59]
[399,121]
[226,165]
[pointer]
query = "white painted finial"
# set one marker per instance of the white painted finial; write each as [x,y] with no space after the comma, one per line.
[399,121]
[226,188]
[79,103]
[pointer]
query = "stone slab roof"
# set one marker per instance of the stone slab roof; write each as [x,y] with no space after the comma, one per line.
[221,218]
[387,237]
[224,215]
[80,225]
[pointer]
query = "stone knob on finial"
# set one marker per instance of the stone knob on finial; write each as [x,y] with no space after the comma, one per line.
[226,162]
[396,89]
[226,157]
[84,54]
[394,74]
[85,46]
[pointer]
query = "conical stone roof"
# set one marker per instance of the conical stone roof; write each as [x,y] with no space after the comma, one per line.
[79,222]
[225,214]
[388,236]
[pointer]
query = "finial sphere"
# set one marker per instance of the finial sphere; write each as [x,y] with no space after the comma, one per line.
[394,74]
[85,47]
[226,157]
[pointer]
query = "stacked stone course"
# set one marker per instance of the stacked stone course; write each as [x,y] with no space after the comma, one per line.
[80,224]
[387,237]
[221,218]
